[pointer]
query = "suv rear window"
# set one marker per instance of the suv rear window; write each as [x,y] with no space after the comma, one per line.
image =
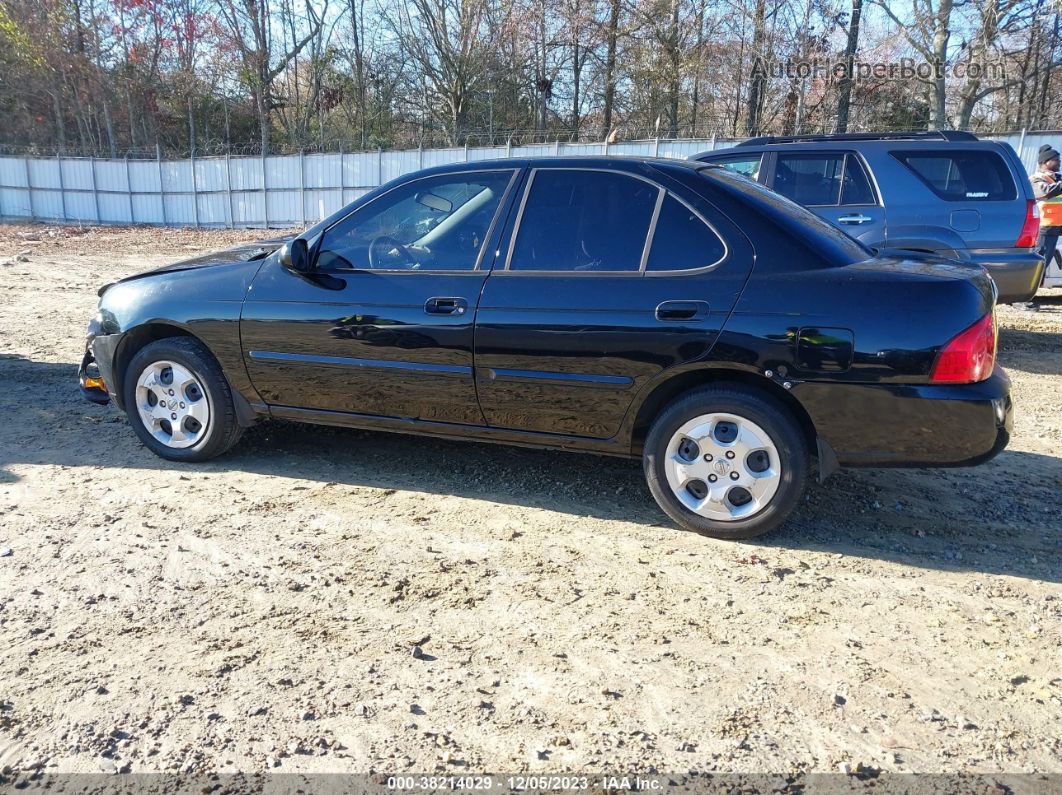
[973,175]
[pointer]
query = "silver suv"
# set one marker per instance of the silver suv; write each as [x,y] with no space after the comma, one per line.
[947,193]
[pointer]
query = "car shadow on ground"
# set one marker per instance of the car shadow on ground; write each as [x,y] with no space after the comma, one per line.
[993,518]
[1021,339]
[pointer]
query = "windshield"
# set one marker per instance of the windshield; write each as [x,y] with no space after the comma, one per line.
[840,247]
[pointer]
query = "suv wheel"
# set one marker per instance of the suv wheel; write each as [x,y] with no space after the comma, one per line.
[726,461]
[179,402]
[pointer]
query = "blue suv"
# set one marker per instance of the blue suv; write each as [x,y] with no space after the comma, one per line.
[947,193]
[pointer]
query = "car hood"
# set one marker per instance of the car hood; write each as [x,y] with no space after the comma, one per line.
[244,253]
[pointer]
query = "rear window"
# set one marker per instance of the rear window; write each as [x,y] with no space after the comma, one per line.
[960,176]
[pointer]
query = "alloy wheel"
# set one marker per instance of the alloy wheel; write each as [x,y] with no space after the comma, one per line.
[722,466]
[172,404]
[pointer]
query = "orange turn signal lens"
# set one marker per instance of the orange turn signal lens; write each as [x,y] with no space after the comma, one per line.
[93,383]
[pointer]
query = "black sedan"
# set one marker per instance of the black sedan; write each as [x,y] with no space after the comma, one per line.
[658,309]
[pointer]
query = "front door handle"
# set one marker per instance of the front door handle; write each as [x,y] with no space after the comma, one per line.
[445,306]
[683,311]
[854,219]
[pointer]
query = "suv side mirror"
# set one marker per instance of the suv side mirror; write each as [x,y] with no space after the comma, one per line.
[296,256]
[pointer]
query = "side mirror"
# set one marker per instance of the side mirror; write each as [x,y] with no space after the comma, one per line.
[296,256]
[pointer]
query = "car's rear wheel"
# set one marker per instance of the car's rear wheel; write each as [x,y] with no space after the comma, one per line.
[178,401]
[726,461]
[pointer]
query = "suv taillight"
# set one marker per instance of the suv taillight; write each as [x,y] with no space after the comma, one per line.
[969,357]
[1031,228]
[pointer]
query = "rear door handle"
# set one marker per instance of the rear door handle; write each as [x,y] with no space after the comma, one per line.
[854,219]
[684,311]
[445,306]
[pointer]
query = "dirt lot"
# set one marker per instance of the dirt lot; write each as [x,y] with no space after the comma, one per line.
[259,612]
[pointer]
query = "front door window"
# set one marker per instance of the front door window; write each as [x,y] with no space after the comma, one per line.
[438,224]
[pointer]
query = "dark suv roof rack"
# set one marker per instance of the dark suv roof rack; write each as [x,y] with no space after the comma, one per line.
[933,135]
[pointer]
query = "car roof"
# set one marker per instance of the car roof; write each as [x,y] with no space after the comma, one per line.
[949,140]
[930,135]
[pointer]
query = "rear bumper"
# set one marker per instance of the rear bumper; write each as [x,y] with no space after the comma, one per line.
[913,425]
[1016,272]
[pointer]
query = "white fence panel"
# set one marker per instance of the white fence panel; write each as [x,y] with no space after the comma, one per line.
[361,170]
[322,171]
[213,209]
[210,175]
[146,207]
[486,152]
[440,157]
[180,209]
[13,172]
[114,208]
[247,173]
[318,204]
[81,207]
[14,193]
[77,174]
[110,176]
[283,172]
[282,208]
[248,209]
[176,176]
[144,176]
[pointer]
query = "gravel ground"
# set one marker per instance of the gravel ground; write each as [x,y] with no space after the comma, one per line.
[331,600]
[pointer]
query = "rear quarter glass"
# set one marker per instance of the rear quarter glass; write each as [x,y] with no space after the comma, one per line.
[961,175]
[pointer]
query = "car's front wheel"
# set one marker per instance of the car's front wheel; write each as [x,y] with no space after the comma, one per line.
[726,461]
[178,401]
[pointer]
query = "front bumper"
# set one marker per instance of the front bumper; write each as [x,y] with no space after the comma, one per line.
[914,425]
[95,376]
[93,387]
[1016,272]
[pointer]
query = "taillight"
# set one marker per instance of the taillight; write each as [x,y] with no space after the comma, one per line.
[969,357]
[1031,228]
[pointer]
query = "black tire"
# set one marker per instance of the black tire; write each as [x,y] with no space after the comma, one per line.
[761,409]
[222,431]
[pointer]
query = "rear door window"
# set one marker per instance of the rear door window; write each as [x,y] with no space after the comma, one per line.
[828,179]
[856,186]
[812,180]
[583,220]
[961,176]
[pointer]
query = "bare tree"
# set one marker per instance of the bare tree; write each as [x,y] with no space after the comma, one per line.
[252,34]
[447,41]
[928,31]
[844,97]
[612,41]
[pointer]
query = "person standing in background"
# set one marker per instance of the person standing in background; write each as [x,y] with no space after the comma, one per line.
[1047,190]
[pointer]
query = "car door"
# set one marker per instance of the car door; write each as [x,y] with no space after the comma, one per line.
[384,325]
[835,186]
[608,279]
